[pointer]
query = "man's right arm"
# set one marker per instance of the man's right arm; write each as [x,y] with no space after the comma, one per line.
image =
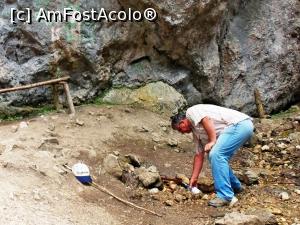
[198,161]
[197,167]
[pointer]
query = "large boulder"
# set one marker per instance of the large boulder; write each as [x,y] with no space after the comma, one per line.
[158,97]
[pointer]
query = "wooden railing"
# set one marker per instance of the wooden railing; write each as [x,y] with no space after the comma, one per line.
[62,81]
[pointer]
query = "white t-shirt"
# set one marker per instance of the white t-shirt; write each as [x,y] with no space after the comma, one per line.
[220,116]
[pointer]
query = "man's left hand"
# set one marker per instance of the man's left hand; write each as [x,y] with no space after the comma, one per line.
[209,146]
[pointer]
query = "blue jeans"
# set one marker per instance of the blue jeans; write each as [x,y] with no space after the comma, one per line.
[229,141]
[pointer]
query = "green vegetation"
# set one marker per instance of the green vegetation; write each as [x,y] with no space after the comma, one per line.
[290,112]
[99,99]
[44,110]
[11,117]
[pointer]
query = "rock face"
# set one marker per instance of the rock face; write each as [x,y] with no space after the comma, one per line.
[257,51]
[215,51]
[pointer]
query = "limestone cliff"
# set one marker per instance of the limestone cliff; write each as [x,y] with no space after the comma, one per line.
[215,51]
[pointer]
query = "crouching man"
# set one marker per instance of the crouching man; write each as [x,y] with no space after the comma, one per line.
[219,132]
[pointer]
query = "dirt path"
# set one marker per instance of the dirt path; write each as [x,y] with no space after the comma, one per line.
[35,189]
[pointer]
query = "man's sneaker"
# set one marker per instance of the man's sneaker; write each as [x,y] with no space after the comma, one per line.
[233,201]
[218,202]
[239,190]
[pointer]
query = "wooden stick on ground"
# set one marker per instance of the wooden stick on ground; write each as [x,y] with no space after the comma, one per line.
[24,87]
[103,189]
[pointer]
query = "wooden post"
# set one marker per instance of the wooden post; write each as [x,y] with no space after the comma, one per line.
[69,98]
[55,95]
[259,105]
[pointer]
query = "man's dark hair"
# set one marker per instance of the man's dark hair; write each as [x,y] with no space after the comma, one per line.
[175,120]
